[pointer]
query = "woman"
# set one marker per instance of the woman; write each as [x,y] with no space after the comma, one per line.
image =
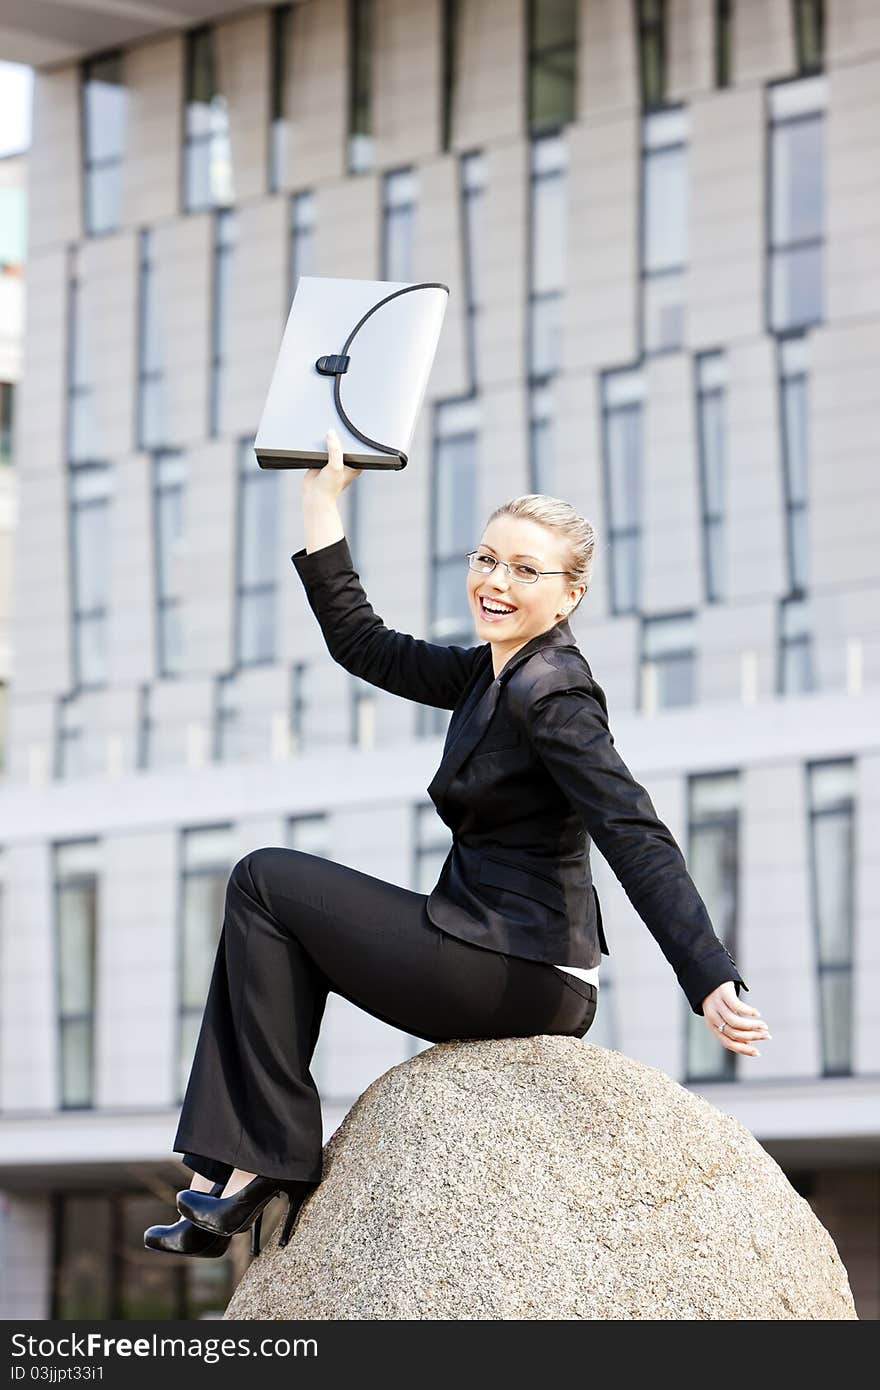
[505,943]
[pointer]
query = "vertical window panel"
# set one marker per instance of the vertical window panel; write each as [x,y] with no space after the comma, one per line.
[104,121]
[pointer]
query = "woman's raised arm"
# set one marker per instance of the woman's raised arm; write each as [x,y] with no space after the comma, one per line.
[430,673]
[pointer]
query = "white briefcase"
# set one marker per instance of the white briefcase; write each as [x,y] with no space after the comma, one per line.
[356,355]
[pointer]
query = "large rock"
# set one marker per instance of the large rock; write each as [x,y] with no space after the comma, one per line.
[545,1177]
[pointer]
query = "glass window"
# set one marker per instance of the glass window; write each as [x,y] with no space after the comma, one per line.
[361,149]
[104,118]
[831,788]
[7,420]
[311,834]
[225,238]
[542,438]
[451,39]
[795,646]
[152,402]
[13,230]
[713,863]
[169,493]
[298,705]
[622,436]
[208,855]
[797,203]
[473,187]
[552,63]
[399,225]
[90,493]
[207,154]
[76,865]
[279,130]
[302,238]
[227,717]
[793,366]
[668,661]
[547,258]
[809,33]
[723,42]
[258,543]
[664,229]
[652,52]
[83,442]
[711,374]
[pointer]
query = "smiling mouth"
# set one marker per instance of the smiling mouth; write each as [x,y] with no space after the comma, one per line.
[493,615]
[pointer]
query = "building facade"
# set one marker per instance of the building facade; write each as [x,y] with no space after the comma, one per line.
[659,225]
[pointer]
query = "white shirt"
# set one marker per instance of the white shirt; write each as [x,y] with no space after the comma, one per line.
[592,975]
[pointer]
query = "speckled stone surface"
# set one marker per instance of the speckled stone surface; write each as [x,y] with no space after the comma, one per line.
[545,1177]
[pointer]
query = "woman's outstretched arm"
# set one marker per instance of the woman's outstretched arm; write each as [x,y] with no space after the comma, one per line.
[430,673]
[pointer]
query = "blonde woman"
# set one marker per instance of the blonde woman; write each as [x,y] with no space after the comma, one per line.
[508,942]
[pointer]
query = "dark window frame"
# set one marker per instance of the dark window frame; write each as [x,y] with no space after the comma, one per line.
[847,805]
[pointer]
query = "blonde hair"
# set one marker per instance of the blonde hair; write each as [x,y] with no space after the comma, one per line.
[560,517]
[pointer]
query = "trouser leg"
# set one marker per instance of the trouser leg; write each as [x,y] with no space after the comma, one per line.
[296,926]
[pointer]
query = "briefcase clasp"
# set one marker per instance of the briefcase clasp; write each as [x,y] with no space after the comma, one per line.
[333,364]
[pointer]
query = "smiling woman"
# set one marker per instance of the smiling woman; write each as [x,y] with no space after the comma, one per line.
[528,775]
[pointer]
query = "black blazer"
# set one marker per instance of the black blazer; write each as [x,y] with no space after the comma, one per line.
[529,775]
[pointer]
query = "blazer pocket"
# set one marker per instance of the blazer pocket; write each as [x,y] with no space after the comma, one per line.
[511,739]
[516,880]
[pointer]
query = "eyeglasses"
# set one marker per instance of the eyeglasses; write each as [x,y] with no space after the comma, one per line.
[523,574]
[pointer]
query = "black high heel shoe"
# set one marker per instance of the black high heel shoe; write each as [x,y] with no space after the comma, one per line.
[226,1216]
[185,1238]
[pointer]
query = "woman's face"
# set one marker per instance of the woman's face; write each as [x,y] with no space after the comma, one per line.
[532,608]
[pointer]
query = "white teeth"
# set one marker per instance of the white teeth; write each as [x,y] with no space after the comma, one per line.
[494,607]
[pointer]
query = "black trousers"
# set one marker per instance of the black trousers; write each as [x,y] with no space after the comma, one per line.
[297,926]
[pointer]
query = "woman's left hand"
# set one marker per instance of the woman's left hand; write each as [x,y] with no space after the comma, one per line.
[737,1025]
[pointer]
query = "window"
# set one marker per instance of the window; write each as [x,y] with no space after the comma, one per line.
[279,130]
[152,402]
[542,438]
[361,151]
[793,362]
[298,706]
[169,493]
[809,35]
[795,647]
[259,506]
[547,254]
[472,172]
[83,444]
[90,495]
[668,661]
[723,42]
[7,420]
[302,239]
[98,1272]
[104,117]
[145,728]
[797,204]
[451,38]
[311,835]
[227,717]
[207,155]
[399,225]
[207,859]
[831,789]
[664,229]
[76,911]
[552,63]
[713,863]
[622,393]
[652,52]
[225,237]
[432,845]
[711,379]
[455,480]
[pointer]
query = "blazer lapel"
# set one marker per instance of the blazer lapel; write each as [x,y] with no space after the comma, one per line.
[464,737]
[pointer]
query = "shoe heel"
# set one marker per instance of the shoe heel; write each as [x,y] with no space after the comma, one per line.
[293,1206]
[256,1229]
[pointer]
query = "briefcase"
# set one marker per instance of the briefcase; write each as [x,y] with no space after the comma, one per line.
[356,355]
